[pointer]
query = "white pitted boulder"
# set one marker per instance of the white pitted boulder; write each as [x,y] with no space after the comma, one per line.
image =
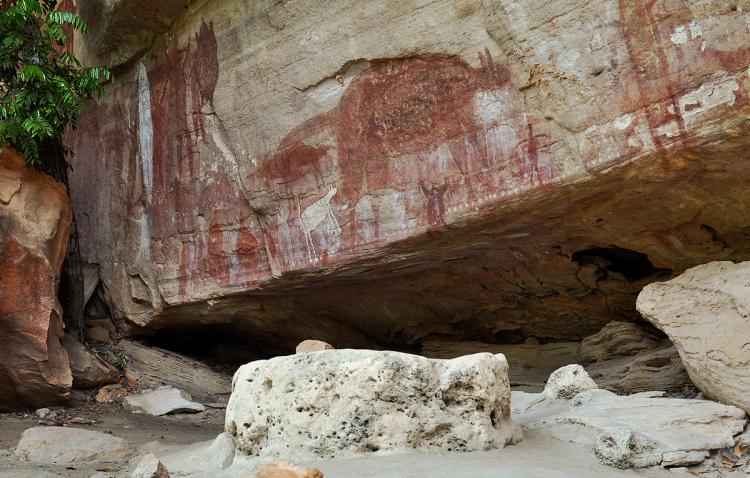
[339,402]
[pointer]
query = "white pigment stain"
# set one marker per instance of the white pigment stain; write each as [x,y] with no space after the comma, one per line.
[145,130]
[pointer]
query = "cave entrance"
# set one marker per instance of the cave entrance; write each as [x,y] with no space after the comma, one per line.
[632,265]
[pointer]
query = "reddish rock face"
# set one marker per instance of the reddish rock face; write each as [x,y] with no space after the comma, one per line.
[34,224]
[442,172]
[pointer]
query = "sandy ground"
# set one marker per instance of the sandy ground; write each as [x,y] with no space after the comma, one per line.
[136,429]
[536,456]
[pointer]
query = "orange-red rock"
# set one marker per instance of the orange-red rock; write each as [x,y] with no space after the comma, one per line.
[35,219]
[280,469]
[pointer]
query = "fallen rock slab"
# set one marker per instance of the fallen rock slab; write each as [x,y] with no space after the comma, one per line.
[156,367]
[67,446]
[162,401]
[343,402]
[706,313]
[633,431]
[616,339]
[657,369]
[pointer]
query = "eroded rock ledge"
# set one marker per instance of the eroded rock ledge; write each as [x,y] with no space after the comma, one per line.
[487,173]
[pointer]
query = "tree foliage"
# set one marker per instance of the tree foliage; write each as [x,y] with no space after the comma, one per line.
[43,86]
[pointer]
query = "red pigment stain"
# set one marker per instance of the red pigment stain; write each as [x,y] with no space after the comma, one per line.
[247,247]
[663,70]
[190,178]
[388,127]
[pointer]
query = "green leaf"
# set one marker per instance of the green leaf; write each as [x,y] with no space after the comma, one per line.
[43,86]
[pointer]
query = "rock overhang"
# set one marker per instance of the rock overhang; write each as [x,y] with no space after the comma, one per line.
[422,188]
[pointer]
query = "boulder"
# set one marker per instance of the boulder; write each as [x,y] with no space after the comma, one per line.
[312,346]
[153,367]
[343,402]
[494,170]
[638,430]
[89,371]
[150,467]
[66,446]
[616,339]
[568,381]
[657,369]
[706,313]
[624,358]
[35,217]
[162,401]
[280,469]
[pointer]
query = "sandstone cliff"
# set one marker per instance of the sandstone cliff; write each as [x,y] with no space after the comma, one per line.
[388,171]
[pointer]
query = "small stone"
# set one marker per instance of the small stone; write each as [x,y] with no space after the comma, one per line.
[568,381]
[133,377]
[111,393]
[280,469]
[82,421]
[42,412]
[163,401]
[150,467]
[69,446]
[312,346]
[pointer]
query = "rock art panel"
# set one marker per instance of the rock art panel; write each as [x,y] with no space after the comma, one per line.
[487,174]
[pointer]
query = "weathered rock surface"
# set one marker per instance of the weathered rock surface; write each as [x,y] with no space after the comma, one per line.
[153,367]
[69,446]
[638,430]
[568,381]
[340,402]
[150,467]
[162,401]
[627,359]
[259,162]
[616,339]
[35,219]
[657,369]
[706,313]
[88,370]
